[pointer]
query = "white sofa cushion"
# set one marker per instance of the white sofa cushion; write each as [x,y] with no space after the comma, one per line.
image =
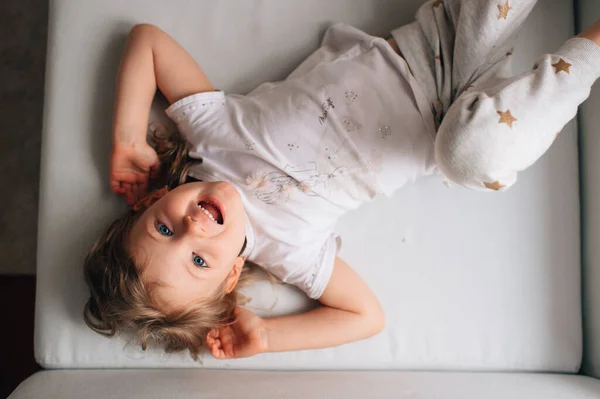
[468,280]
[155,384]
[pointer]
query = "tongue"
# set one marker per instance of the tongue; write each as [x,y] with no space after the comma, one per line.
[213,210]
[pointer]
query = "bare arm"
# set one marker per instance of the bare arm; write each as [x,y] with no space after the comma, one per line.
[152,59]
[350,312]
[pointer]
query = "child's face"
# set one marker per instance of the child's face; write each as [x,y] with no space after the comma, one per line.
[187,255]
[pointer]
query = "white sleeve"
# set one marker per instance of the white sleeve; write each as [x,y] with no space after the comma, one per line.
[309,275]
[226,131]
[199,115]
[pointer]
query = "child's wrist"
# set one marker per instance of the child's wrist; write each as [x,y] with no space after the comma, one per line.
[128,137]
[267,335]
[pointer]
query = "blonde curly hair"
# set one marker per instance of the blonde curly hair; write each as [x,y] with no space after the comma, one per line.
[121,301]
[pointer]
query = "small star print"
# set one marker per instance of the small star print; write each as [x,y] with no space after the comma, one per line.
[250,145]
[350,125]
[385,131]
[562,65]
[506,117]
[494,186]
[351,95]
[503,10]
[438,3]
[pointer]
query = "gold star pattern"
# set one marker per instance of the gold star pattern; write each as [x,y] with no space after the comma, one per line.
[506,117]
[562,65]
[503,10]
[494,186]
[438,3]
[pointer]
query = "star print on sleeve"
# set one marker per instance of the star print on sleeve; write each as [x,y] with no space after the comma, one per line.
[503,10]
[506,117]
[562,65]
[494,186]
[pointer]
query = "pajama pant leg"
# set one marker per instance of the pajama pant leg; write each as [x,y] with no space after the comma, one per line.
[489,125]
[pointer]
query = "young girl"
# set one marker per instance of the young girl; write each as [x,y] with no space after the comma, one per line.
[268,174]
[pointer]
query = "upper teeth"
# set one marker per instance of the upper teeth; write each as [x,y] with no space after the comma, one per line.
[210,216]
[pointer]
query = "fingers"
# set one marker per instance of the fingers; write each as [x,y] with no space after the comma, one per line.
[142,190]
[134,192]
[154,169]
[116,187]
[217,352]
[213,333]
[131,192]
[130,170]
[214,344]
[139,190]
[129,196]
[132,186]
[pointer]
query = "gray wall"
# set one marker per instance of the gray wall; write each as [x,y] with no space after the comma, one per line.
[589,119]
[23,26]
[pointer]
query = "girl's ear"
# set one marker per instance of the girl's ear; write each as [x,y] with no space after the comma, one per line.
[150,199]
[234,275]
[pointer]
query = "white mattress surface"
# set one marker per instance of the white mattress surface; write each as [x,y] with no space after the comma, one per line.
[469,281]
[223,384]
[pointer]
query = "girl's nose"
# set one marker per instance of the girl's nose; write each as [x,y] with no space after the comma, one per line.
[193,226]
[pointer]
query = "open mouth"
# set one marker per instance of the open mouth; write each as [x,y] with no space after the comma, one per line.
[212,211]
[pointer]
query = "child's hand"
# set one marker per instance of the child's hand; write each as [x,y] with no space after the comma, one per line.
[131,165]
[246,336]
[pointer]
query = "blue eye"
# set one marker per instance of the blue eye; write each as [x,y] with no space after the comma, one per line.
[164,230]
[198,261]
